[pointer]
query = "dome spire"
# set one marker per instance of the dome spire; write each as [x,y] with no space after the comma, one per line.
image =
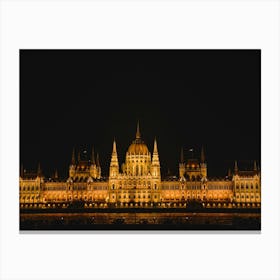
[155,146]
[114,146]
[138,135]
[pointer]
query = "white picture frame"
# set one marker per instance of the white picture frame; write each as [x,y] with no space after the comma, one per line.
[138,24]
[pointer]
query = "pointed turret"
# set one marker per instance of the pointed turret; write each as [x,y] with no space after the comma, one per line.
[56,174]
[203,165]
[229,172]
[202,155]
[92,156]
[155,161]
[114,165]
[182,156]
[155,146]
[97,160]
[182,169]
[39,171]
[79,156]
[114,147]
[235,167]
[255,166]
[138,135]
[98,167]
[93,169]
[73,161]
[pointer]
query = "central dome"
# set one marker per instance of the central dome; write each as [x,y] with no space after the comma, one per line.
[138,147]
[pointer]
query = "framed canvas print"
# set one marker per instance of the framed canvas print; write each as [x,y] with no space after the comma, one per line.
[140,139]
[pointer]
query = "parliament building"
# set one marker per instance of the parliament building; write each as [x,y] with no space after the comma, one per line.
[138,183]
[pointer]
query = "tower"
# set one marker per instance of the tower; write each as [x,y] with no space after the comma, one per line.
[56,174]
[203,165]
[114,165]
[39,171]
[155,162]
[93,168]
[255,166]
[235,167]
[72,165]
[182,169]
[98,167]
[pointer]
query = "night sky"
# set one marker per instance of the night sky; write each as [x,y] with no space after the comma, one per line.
[184,98]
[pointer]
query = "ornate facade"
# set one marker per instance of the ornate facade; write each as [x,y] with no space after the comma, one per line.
[138,183]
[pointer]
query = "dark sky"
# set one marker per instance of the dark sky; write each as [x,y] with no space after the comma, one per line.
[184,98]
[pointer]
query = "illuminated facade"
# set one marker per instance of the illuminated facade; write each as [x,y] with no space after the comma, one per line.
[138,183]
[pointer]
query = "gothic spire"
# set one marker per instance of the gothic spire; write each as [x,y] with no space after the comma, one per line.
[56,174]
[138,135]
[182,155]
[155,146]
[155,159]
[255,166]
[92,156]
[97,159]
[202,156]
[114,147]
[39,171]
[73,161]
[235,167]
